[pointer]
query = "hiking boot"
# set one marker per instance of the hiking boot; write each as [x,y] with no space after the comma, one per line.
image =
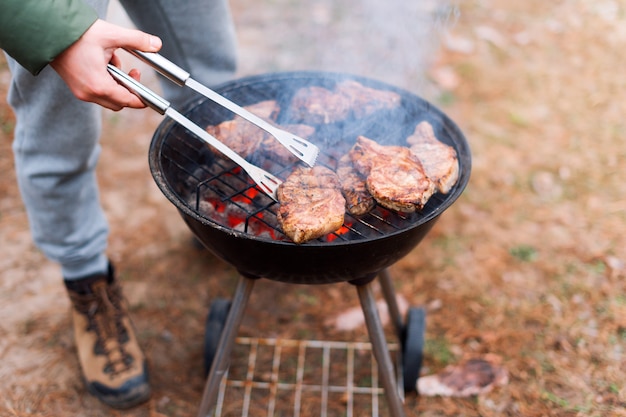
[113,365]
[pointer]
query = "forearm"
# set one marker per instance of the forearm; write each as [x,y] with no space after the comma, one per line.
[34,32]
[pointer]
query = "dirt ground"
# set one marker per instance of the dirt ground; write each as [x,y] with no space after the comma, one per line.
[528,265]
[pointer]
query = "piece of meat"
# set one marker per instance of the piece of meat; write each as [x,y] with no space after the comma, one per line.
[267,110]
[367,100]
[439,160]
[358,200]
[311,203]
[349,98]
[242,136]
[394,175]
[239,135]
[276,151]
[318,105]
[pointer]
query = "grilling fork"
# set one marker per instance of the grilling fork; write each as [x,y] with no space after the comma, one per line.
[301,148]
[266,181]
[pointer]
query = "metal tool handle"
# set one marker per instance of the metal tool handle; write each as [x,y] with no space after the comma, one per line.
[181,77]
[149,97]
[301,148]
[266,181]
[163,65]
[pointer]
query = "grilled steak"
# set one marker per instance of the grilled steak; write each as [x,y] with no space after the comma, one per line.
[267,110]
[439,160]
[311,204]
[242,136]
[276,151]
[358,200]
[318,105]
[248,139]
[239,135]
[367,100]
[394,175]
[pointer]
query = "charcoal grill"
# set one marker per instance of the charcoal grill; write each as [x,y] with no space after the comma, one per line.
[236,222]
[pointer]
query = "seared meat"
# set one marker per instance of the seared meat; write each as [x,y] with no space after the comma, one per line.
[242,136]
[367,100]
[276,151]
[239,135]
[311,204]
[439,160]
[394,175]
[247,139]
[318,105]
[267,110]
[358,200]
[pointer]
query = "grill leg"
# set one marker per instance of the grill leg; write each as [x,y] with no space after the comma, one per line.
[389,293]
[225,345]
[380,348]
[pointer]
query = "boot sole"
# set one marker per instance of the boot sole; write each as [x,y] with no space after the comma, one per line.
[125,397]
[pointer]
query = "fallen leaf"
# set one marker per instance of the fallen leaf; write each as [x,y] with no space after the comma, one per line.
[472,377]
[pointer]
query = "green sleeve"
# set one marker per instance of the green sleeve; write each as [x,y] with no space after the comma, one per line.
[34,32]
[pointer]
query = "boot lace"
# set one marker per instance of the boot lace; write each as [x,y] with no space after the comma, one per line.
[104,310]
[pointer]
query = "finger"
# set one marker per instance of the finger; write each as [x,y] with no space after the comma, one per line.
[125,98]
[115,60]
[136,39]
[135,73]
[117,96]
[116,92]
[116,104]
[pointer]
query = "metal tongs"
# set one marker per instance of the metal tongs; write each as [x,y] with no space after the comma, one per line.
[266,181]
[301,148]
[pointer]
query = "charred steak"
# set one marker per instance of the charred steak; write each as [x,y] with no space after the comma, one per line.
[319,105]
[242,136]
[394,175]
[358,200]
[366,100]
[311,204]
[439,160]
[275,151]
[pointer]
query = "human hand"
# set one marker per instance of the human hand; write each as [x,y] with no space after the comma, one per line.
[83,66]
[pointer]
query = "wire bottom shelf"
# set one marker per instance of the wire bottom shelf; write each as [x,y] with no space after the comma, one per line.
[302,378]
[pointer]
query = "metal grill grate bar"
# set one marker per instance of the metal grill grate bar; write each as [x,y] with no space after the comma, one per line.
[207,177]
[309,389]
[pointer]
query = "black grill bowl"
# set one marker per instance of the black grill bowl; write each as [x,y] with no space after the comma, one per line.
[176,157]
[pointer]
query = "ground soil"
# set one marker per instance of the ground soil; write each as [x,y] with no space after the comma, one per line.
[528,265]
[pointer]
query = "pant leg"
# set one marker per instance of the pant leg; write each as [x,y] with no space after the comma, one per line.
[198,35]
[56,150]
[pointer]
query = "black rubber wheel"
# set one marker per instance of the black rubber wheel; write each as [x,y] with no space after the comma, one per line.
[413,347]
[213,329]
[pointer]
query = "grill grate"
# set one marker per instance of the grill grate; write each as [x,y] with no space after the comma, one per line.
[210,178]
[188,168]
[301,378]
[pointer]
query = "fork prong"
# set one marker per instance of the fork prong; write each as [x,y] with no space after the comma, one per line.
[301,148]
[267,182]
[269,189]
[310,153]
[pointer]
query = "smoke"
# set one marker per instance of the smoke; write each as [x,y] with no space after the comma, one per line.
[395,41]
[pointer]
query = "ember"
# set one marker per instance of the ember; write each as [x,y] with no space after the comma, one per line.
[341,231]
[247,196]
[235,214]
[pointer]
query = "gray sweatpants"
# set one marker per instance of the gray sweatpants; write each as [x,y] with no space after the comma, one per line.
[56,142]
